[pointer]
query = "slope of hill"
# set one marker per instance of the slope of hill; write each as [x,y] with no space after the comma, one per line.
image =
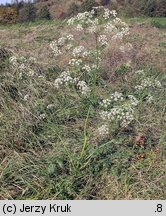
[127,7]
[57,81]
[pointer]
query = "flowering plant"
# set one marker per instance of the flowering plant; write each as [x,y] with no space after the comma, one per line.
[103,27]
[120,109]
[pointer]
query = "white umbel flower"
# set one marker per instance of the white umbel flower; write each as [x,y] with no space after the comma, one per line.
[82,86]
[103,40]
[103,131]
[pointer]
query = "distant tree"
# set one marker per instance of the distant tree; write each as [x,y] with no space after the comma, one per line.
[14,2]
[44,13]
[8,5]
[8,15]
[20,5]
[27,13]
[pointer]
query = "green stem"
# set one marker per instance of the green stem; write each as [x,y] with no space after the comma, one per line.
[68,153]
[93,93]
[85,134]
[97,67]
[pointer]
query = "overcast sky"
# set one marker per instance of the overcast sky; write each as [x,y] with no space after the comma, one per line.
[4,1]
[9,1]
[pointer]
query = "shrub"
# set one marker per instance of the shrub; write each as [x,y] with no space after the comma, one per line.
[44,13]
[155,8]
[147,7]
[161,8]
[150,7]
[87,5]
[8,15]
[27,13]
[73,9]
[105,2]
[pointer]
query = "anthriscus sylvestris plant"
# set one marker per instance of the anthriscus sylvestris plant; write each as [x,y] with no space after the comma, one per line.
[101,27]
[94,31]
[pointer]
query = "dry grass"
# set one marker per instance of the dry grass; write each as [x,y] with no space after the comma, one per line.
[38,159]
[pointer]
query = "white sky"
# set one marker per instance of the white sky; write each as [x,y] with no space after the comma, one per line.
[4,1]
[9,1]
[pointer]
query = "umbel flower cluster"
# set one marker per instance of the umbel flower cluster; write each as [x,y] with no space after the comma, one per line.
[66,79]
[147,87]
[117,109]
[148,83]
[22,65]
[57,46]
[100,20]
[121,110]
[103,27]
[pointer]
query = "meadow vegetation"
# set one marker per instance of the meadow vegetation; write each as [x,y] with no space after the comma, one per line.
[83,108]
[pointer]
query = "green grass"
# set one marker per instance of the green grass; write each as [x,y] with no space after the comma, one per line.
[142,19]
[162,44]
[159,23]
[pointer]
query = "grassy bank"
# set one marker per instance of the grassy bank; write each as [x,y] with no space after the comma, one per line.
[50,146]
